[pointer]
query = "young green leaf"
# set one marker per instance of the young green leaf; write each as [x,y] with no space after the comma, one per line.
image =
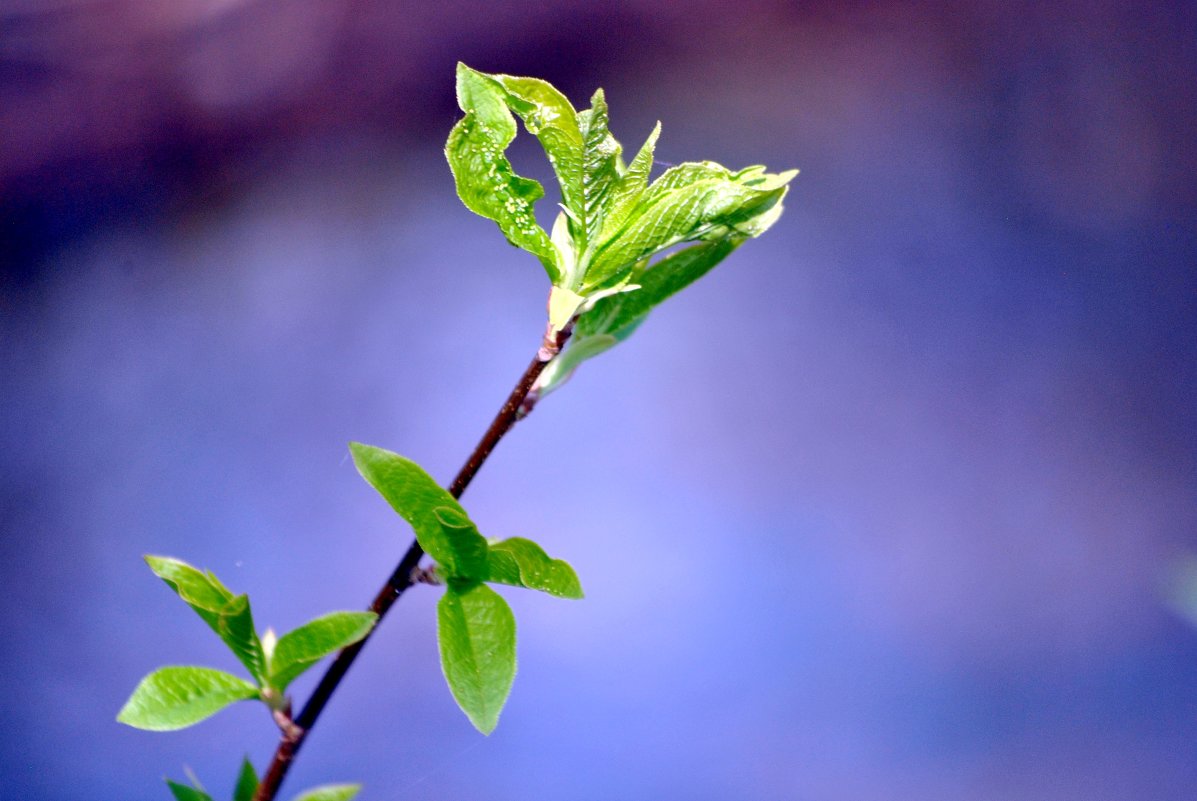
[330,792]
[619,315]
[442,526]
[228,615]
[632,183]
[202,591]
[615,317]
[562,367]
[486,182]
[177,697]
[612,319]
[247,782]
[182,792]
[601,168]
[522,563]
[550,117]
[236,628]
[298,650]
[689,202]
[476,633]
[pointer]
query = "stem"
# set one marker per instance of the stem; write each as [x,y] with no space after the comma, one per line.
[400,580]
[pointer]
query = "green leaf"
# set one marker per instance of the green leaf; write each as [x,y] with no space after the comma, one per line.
[522,563]
[203,592]
[619,315]
[612,319]
[442,526]
[601,168]
[298,650]
[236,628]
[182,792]
[476,632]
[689,202]
[550,117]
[615,317]
[330,792]
[562,367]
[632,183]
[177,697]
[228,615]
[486,182]
[247,782]
[612,220]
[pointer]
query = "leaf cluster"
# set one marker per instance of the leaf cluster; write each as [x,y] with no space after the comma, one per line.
[613,221]
[179,696]
[475,626]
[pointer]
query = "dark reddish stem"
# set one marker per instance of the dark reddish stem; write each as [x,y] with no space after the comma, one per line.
[515,408]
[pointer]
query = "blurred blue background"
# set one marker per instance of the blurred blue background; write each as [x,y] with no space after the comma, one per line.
[885,508]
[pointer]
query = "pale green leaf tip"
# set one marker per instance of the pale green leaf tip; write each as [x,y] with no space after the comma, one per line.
[330,792]
[361,453]
[485,724]
[129,719]
[157,563]
[461,72]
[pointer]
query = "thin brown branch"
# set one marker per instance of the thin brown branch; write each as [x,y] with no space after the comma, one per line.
[295,733]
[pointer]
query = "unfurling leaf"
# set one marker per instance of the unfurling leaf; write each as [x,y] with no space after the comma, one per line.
[442,526]
[601,168]
[689,202]
[619,315]
[298,650]
[563,364]
[476,633]
[632,182]
[486,183]
[522,563]
[551,118]
[228,615]
[177,697]
[330,792]
[615,317]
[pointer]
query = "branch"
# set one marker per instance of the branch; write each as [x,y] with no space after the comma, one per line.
[513,409]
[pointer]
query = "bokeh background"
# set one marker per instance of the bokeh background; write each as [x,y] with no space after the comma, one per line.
[887,507]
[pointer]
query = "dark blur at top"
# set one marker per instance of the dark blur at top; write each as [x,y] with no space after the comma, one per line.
[118,109]
[1080,114]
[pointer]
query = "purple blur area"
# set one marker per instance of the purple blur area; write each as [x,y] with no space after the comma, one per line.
[886,507]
